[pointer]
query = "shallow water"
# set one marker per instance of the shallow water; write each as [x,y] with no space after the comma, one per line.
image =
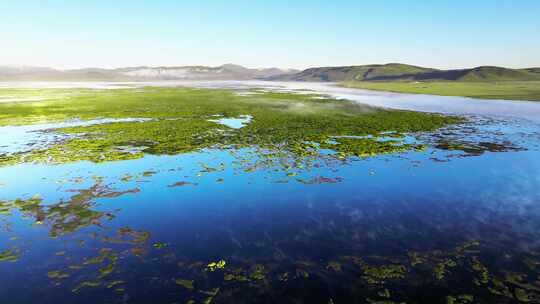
[27,137]
[235,122]
[416,227]
[529,110]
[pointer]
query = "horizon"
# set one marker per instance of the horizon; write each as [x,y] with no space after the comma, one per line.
[247,67]
[253,34]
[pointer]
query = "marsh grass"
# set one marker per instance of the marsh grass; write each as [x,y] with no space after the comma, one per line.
[510,90]
[181,122]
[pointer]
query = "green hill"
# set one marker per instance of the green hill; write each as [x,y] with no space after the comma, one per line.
[479,74]
[355,73]
[404,72]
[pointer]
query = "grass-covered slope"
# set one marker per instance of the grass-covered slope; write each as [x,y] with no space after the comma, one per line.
[486,82]
[403,72]
[478,74]
[182,121]
[354,73]
[511,90]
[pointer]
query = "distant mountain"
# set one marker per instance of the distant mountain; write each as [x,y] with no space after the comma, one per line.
[352,73]
[484,73]
[374,72]
[403,72]
[143,73]
[533,70]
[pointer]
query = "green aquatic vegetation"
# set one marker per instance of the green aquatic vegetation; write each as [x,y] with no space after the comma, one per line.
[280,122]
[416,258]
[107,270]
[238,277]
[208,169]
[56,274]
[384,293]
[188,284]
[126,235]
[461,299]
[31,205]
[258,272]
[519,280]
[5,208]
[181,184]
[213,266]
[441,269]
[466,248]
[320,180]
[440,262]
[211,295]
[383,273]
[160,245]
[334,266]
[366,147]
[522,295]
[499,288]
[67,216]
[127,178]
[113,284]
[236,274]
[149,173]
[481,270]
[10,255]
[103,253]
[475,149]
[283,277]
[86,284]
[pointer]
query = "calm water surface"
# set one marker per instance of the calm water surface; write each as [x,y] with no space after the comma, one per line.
[217,226]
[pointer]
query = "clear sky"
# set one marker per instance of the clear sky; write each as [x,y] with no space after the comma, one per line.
[265,33]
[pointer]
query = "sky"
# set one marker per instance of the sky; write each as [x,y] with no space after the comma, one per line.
[269,33]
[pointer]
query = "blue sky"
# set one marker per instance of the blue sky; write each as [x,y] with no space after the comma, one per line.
[257,33]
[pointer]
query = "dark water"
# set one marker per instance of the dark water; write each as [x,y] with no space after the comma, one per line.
[420,227]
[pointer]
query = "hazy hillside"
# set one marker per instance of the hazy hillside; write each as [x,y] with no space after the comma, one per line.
[403,72]
[224,72]
[374,72]
[350,73]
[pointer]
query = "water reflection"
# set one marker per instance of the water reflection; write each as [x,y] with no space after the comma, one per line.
[223,226]
[39,136]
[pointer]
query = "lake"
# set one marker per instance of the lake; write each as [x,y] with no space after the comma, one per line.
[456,222]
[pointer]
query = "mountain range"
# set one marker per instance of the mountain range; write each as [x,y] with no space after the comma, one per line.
[374,72]
[404,72]
[142,73]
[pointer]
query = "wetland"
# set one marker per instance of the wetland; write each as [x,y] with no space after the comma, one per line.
[263,193]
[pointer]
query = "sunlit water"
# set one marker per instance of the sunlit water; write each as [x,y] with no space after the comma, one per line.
[529,110]
[132,231]
[28,137]
[235,122]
